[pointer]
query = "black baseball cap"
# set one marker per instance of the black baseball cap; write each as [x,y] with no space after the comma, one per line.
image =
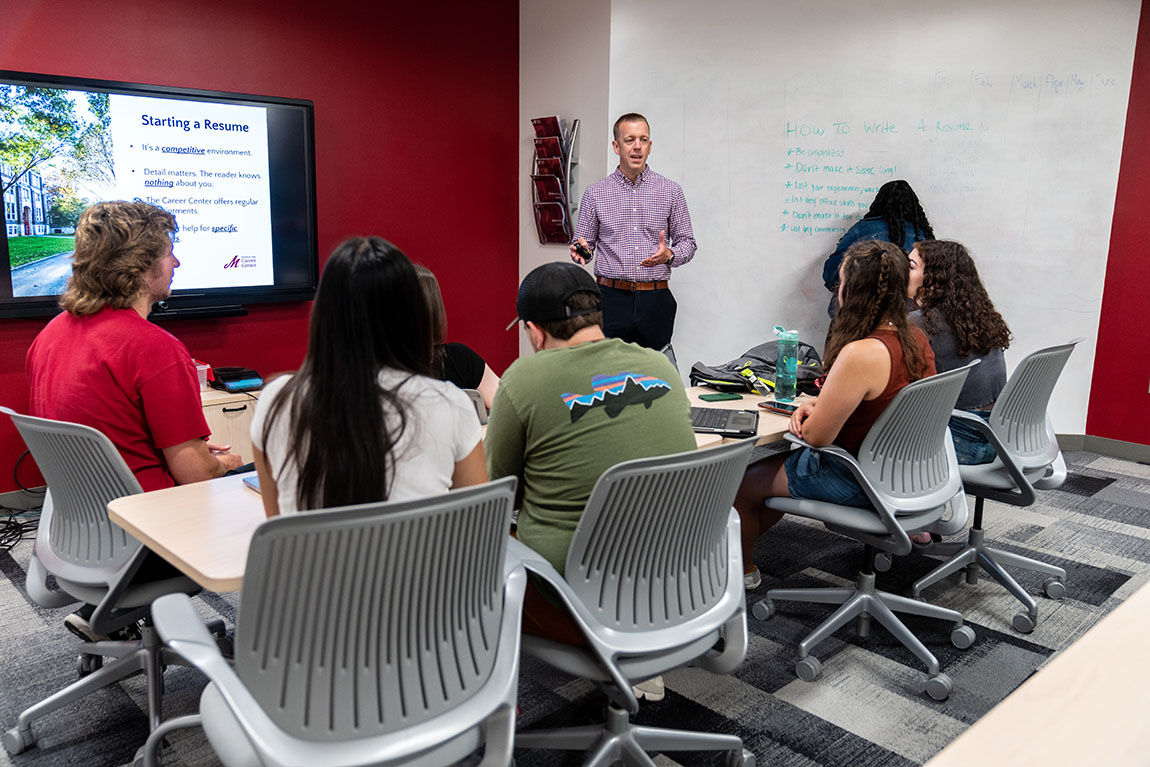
[544,293]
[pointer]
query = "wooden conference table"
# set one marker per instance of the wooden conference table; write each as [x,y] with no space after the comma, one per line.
[204,528]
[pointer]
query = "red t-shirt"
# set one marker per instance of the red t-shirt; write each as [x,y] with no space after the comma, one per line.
[858,423]
[119,373]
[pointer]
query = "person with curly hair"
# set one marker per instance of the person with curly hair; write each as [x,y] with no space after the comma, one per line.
[960,319]
[101,363]
[895,216]
[872,353]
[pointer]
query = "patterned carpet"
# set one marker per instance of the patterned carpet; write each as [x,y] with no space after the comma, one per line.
[867,708]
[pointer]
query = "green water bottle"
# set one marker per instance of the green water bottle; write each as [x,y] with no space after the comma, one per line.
[786,364]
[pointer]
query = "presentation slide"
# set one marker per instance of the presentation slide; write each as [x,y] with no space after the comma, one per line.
[205,162]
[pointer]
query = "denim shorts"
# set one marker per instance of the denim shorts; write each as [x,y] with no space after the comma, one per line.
[969,444]
[814,476]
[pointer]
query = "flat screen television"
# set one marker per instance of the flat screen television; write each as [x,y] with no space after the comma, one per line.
[237,171]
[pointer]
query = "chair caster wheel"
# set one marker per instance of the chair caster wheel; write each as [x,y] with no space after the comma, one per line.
[763,609]
[882,562]
[962,637]
[16,741]
[808,669]
[86,664]
[1023,622]
[742,758]
[1053,588]
[939,687]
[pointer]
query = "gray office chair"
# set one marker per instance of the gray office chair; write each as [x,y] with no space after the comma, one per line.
[908,468]
[1028,458]
[94,562]
[654,580]
[479,405]
[378,634]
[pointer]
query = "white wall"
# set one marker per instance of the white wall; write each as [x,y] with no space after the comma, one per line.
[1007,119]
[564,60]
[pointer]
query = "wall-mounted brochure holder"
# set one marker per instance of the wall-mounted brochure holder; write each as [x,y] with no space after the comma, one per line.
[552,179]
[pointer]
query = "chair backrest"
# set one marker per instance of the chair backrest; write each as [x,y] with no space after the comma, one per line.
[1019,417]
[84,472]
[360,621]
[904,455]
[650,550]
[478,403]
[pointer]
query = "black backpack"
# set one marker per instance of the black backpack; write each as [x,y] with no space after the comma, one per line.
[758,365]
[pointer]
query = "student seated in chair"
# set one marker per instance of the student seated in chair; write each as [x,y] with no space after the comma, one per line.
[102,364]
[960,319]
[872,353]
[454,362]
[567,413]
[364,420]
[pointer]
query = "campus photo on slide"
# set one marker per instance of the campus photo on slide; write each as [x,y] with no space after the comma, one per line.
[205,162]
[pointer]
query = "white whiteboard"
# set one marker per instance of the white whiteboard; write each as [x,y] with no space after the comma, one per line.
[781,119]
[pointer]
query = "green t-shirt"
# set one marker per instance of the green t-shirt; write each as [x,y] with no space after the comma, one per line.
[562,417]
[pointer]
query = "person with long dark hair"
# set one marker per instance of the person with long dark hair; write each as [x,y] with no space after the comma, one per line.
[454,362]
[363,420]
[962,324]
[871,354]
[895,215]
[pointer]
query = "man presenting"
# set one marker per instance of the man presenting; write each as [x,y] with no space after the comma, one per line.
[638,223]
[102,364]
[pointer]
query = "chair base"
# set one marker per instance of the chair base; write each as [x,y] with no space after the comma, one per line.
[619,740]
[147,656]
[975,554]
[864,602]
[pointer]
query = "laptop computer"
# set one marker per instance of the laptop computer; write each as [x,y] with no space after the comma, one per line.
[727,423]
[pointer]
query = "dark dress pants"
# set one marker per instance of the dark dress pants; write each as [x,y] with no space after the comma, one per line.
[644,317]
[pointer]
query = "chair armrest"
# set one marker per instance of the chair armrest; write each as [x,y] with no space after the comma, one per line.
[1057,476]
[884,513]
[1004,457]
[734,631]
[530,559]
[182,630]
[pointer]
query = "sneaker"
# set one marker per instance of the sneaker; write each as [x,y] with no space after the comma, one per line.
[753,579]
[79,626]
[652,689]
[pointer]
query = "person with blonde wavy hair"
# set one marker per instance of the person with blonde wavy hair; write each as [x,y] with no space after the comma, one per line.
[101,363]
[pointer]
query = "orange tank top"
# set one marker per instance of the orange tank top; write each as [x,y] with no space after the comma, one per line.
[858,423]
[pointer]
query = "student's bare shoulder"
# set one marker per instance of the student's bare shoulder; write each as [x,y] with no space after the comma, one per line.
[863,352]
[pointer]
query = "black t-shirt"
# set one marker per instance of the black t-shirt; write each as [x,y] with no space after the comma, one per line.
[461,366]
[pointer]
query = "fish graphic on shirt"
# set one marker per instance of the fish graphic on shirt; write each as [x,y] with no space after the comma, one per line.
[615,392]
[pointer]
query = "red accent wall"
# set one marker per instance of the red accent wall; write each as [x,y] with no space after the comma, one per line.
[416,118]
[1119,398]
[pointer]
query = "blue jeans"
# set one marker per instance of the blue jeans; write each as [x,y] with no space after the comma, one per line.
[815,476]
[969,444]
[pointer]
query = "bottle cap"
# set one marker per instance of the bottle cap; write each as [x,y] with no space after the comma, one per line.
[786,335]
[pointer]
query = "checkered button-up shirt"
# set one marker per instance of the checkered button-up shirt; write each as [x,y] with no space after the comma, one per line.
[621,222]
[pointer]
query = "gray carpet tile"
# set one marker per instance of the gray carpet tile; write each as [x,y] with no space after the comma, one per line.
[867,708]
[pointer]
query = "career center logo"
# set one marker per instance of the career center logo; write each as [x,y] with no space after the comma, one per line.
[240,262]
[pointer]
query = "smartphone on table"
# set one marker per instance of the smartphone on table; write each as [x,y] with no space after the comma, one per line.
[786,408]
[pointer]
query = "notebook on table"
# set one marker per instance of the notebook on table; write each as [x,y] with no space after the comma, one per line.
[727,423]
